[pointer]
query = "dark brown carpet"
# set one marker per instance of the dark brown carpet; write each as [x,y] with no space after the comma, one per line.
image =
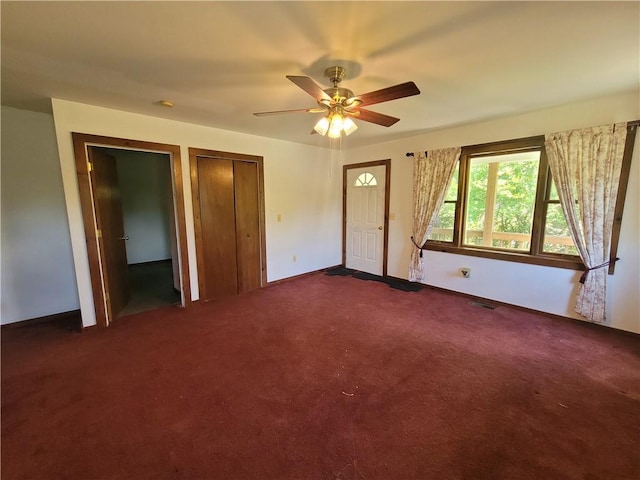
[323,377]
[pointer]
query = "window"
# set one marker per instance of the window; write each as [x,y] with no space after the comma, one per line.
[556,231]
[501,199]
[501,203]
[442,227]
[365,179]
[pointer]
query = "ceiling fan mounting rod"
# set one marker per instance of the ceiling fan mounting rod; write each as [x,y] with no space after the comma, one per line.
[335,74]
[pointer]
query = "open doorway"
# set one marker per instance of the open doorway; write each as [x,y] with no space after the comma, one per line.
[150,176]
[149,234]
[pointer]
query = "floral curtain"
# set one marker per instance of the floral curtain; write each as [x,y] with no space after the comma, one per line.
[585,166]
[431,175]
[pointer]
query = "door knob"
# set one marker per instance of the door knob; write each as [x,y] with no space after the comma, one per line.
[380,227]
[126,237]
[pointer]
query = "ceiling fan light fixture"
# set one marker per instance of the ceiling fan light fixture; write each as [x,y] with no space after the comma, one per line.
[336,126]
[322,127]
[349,126]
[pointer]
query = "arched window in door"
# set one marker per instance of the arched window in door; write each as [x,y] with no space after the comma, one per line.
[365,179]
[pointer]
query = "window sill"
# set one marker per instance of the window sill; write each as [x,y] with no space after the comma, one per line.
[543,260]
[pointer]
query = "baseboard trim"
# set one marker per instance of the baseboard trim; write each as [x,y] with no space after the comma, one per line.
[302,275]
[493,303]
[496,303]
[72,314]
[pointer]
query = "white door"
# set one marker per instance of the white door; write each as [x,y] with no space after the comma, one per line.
[365,219]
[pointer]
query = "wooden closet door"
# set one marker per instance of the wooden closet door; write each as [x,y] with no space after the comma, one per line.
[247,206]
[218,229]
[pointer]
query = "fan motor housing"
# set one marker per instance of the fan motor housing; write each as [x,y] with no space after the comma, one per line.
[339,94]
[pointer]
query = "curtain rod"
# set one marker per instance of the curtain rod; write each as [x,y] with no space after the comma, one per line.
[631,124]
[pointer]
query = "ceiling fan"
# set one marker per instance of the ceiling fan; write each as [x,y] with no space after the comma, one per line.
[341,105]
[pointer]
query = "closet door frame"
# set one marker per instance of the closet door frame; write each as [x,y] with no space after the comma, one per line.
[194,154]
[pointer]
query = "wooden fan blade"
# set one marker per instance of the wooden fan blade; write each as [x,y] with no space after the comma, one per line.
[309,86]
[375,117]
[390,93]
[298,110]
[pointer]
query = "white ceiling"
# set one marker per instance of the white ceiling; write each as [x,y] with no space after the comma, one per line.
[221,61]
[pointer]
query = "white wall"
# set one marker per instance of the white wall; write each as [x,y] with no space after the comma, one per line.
[302,184]
[623,293]
[36,265]
[145,191]
[545,289]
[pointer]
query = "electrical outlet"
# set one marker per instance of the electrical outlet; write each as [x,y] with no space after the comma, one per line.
[465,272]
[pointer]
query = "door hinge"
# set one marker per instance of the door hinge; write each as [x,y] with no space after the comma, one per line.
[98,233]
[89,166]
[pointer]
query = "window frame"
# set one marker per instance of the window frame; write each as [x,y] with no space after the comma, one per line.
[535,255]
